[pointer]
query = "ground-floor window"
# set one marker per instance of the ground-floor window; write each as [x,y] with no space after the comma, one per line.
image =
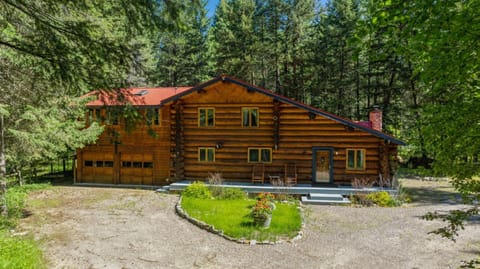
[356,159]
[136,164]
[206,154]
[97,163]
[259,155]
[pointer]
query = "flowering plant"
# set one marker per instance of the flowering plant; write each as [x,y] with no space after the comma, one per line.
[266,196]
[261,211]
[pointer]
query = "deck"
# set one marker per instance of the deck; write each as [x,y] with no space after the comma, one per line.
[299,189]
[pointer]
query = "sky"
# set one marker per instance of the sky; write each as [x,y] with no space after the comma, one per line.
[211,5]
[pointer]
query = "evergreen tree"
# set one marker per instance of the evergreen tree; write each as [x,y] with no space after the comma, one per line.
[183,53]
[234,39]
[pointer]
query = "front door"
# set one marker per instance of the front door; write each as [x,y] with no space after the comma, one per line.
[322,165]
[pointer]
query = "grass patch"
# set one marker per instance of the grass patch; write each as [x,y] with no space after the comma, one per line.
[18,252]
[233,218]
[21,253]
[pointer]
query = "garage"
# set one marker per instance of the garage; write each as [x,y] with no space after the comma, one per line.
[136,169]
[97,167]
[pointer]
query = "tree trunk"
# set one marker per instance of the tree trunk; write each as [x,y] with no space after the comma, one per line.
[3,172]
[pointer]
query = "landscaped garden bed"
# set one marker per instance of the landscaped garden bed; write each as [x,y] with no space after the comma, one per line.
[234,218]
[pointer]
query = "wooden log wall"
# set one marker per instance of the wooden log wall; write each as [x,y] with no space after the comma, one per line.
[292,129]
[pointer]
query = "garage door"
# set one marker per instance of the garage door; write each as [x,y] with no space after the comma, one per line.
[97,167]
[136,169]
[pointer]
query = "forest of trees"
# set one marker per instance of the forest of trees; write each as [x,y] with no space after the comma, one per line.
[418,60]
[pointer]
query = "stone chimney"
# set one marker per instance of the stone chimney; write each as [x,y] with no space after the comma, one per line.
[375,118]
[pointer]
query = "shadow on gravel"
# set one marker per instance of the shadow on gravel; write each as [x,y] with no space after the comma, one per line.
[430,192]
[432,196]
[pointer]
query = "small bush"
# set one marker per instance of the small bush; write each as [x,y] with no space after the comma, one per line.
[197,190]
[216,180]
[231,194]
[381,198]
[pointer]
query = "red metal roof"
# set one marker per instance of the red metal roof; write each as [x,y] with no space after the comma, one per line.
[134,96]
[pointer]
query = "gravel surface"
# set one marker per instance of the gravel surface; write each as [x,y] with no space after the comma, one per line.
[81,227]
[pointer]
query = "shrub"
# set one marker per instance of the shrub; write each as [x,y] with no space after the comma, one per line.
[197,190]
[231,194]
[381,198]
[215,180]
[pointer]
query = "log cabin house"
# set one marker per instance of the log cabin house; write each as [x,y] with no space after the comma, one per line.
[228,126]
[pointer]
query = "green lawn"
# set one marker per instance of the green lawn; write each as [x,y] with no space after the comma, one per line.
[232,217]
[18,251]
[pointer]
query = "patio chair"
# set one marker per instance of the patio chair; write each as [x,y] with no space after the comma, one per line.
[258,173]
[290,174]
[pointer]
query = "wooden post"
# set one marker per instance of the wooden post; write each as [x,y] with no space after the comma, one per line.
[276,124]
[179,148]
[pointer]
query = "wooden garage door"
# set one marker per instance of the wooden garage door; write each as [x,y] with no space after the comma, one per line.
[97,167]
[136,168]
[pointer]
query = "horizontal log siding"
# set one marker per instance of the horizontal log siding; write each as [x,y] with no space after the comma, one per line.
[298,134]
[138,141]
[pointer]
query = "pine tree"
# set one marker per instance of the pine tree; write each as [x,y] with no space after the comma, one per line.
[234,39]
[182,52]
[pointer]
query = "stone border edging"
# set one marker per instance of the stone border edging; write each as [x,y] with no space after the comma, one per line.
[179,210]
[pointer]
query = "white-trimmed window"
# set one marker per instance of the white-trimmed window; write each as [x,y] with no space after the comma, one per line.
[259,155]
[355,159]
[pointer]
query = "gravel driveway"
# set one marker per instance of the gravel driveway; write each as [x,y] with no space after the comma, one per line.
[83,227]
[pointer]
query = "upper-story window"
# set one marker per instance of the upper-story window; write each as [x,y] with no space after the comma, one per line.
[250,117]
[113,116]
[206,117]
[355,159]
[153,116]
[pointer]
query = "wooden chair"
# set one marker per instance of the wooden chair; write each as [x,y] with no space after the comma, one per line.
[290,174]
[258,173]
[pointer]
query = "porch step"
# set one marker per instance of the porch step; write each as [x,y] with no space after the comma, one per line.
[164,189]
[324,199]
[324,196]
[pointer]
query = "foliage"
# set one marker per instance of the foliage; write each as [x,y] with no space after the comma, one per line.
[455,221]
[198,190]
[231,194]
[233,218]
[20,253]
[16,202]
[382,198]
[185,57]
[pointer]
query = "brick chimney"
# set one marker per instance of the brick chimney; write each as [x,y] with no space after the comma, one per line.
[375,118]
